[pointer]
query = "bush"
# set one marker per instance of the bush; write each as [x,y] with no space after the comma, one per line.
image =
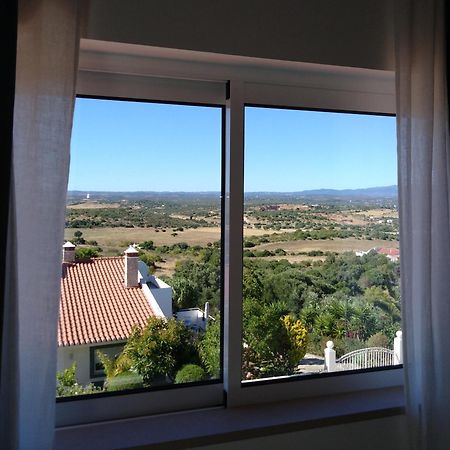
[274,342]
[77,237]
[342,346]
[378,340]
[147,245]
[209,348]
[124,380]
[263,253]
[86,253]
[67,384]
[160,349]
[189,374]
[347,345]
[297,336]
[317,344]
[315,253]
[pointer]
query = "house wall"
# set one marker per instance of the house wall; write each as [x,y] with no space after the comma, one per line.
[159,296]
[66,356]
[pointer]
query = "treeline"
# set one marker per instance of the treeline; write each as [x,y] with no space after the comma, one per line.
[364,232]
[353,300]
[141,216]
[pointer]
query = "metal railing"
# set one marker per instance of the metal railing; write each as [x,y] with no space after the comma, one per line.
[364,358]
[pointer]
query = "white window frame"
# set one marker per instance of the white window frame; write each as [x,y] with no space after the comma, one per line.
[113,70]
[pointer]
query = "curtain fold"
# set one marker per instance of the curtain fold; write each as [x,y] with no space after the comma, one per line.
[8,36]
[424,173]
[47,49]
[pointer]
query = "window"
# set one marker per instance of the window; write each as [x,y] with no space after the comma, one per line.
[144,216]
[321,256]
[141,282]
[112,352]
[248,89]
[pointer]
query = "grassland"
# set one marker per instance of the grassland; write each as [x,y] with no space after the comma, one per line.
[93,205]
[329,245]
[292,227]
[114,240]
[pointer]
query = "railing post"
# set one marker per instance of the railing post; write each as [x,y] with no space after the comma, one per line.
[330,357]
[398,348]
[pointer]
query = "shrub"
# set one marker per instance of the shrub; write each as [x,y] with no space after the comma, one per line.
[297,336]
[124,380]
[160,349]
[346,345]
[209,348]
[67,384]
[85,253]
[147,245]
[190,373]
[378,340]
[263,253]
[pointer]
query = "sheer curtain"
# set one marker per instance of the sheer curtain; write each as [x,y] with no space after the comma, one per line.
[47,49]
[424,174]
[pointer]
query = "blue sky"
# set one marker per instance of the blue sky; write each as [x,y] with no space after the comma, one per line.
[131,146]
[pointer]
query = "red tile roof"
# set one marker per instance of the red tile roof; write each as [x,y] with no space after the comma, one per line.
[95,306]
[389,251]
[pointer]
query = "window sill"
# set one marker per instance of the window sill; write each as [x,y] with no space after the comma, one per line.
[208,426]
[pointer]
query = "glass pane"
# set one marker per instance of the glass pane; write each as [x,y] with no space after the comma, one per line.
[141,297]
[321,248]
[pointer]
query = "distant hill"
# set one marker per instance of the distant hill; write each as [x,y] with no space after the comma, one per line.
[373,192]
[315,195]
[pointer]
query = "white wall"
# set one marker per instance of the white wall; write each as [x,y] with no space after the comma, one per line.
[158,293]
[356,33]
[379,434]
[66,356]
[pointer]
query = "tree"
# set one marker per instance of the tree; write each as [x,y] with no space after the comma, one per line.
[86,253]
[77,237]
[150,261]
[184,293]
[209,348]
[195,283]
[147,245]
[274,342]
[159,350]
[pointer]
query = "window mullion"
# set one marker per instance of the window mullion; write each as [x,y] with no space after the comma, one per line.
[234,196]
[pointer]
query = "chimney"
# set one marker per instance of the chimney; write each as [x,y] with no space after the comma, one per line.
[68,252]
[131,267]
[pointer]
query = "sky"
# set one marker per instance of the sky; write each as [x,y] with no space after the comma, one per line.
[136,146]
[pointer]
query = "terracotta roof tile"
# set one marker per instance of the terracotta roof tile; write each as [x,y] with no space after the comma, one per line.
[95,305]
[389,251]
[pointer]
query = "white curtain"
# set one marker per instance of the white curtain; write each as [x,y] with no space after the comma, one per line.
[44,100]
[424,174]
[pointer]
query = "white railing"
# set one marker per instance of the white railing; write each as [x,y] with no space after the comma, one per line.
[364,358]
